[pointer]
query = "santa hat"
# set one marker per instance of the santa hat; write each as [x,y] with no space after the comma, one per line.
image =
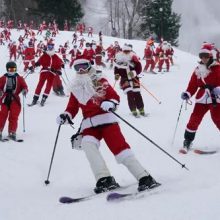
[80,59]
[206,48]
[126,47]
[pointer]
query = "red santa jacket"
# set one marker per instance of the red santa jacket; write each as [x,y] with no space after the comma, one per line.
[148,53]
[29,54]
[49,63]
[201,78]
[20,85]
[92,113]
[89,54]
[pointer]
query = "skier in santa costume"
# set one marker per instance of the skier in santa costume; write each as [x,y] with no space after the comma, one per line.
[95,97]
[205,83]
[11,85]
[51,65]
[127,68]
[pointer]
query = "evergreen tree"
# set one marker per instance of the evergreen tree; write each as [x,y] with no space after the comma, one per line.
[158,19]
[60,10]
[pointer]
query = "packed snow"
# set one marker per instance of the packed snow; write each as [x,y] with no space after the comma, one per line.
[184,195]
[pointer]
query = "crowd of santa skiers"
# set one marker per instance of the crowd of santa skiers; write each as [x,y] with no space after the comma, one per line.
[97,101]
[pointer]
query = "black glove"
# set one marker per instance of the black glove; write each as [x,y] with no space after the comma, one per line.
[184,96]
[62,66]
[31,68]
[63,119]
[58,72]
[37,64]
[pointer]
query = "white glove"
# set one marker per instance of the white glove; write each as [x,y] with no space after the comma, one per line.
[216,91]
[107,105]
[62,119]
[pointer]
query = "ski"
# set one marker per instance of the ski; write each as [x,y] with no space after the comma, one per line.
[8,139]
[4,139]
[69,200]
[117,197]
[197,151]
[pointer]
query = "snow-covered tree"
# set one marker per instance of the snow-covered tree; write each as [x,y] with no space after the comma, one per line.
[159,19]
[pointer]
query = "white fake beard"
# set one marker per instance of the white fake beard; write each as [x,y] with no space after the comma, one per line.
[51,52]
[82,88]
[202,71]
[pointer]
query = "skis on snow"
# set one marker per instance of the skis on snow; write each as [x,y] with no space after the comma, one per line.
[8,139]
[197,151]
[112,196]
[117,197]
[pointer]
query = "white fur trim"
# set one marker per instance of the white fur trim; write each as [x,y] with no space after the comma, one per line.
[126,48]
[123,154]
[88,138]
[106,118]
[79,61]
[70,116]
[205,51]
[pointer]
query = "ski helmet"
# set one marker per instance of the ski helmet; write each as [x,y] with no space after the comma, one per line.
[11,64]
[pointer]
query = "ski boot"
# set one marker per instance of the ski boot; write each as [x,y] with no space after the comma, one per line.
[43,100]
[142,112]
[135,113]
[106,184]
[12,136]
[35,99]
[147,182]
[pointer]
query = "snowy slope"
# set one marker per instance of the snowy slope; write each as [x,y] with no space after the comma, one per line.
[183,195]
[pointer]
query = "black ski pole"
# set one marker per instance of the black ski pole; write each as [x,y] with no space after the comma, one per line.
[177,122]
[23,114]
[47,180]
[183,165]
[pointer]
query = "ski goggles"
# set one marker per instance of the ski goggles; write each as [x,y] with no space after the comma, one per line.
[81,66]
[12,69]
[204,55]
[50,46]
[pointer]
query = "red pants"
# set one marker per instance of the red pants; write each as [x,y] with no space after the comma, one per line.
[148,63]
[198,113]
[57,83]
[12,114]
[47,77]
[160,64]
[112,136]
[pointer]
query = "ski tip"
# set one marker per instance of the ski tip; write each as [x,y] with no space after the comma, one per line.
[182,151]
[204,152]
[65,200]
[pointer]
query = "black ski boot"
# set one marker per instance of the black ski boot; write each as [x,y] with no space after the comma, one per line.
[35,99]
[43,100]
[189,137]
[106,184]
[0,135]
[147,182]
[12,136]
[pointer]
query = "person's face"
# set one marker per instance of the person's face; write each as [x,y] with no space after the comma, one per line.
[204,57]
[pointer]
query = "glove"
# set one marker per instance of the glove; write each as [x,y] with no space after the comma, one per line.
[117,76]
[31,68]
[63,119]
[131,74]
[37,64]
[58,72]
[24,92]
[184,96]
[216,91]
[62,66]
[107,106]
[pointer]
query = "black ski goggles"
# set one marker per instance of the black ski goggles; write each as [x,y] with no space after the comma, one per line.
[81,66]
[204,55]
[12,69]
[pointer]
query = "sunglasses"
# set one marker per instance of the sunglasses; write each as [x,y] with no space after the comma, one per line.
[12,69]
[81,66]
[204,55]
